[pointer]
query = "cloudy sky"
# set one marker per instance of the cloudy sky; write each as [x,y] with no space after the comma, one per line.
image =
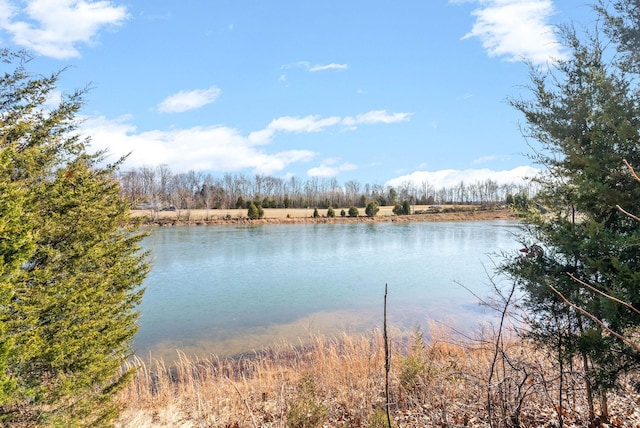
[374,91]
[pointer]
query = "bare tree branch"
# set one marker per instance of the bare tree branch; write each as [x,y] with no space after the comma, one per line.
[631,170]
[635,346]
[627,213]
[603,294]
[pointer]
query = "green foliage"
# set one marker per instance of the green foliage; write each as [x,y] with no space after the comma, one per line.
[16,244]
[268,203]
[354,212]
[255,211]
[343,213]
[393,196]
[306,411]
[315,213]
[252,211]
[406,208]
[584,114]
[519,202]
[331,213]
[372,209]
[414,367]
[70,264]
[240,203]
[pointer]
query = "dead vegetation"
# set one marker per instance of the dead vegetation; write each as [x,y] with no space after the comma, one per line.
[444,380]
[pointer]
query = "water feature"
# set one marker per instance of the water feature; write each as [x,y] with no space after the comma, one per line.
[226,290]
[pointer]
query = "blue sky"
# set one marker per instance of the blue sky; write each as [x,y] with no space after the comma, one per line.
[374,91]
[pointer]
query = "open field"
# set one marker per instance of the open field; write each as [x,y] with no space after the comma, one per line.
[340,382]
[303,215]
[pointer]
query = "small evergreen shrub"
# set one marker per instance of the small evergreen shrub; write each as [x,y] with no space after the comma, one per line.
[305,411]
[406,208]
[372,209]
[253,212]
[331,213]
[414,367]
[354,212]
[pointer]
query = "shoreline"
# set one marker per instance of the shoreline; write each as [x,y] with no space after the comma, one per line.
[305,216]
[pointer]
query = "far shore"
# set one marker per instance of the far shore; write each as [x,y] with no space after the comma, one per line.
[304,215]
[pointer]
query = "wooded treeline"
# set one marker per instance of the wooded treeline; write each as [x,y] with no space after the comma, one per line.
[159,187]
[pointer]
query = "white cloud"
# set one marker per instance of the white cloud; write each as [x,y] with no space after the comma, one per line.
[376,116]
[451,177]
[517,30]
[188,100]
[54,28]
[316,67]
[332,66]
[330,168]
[484,159]
[311,123]
[215,148]
[316,123]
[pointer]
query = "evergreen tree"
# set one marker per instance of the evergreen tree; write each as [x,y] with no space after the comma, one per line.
[372,209]
[354,212]
[252,211]
[16,244]
[331,212]
[70,268]
[586,116]
[406,208]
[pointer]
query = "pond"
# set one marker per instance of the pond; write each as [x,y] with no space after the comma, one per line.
[227,290]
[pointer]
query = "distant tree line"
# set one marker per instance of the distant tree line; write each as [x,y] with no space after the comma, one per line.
[158,187]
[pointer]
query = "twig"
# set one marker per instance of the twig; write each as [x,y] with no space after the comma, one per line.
[603,294]
[633,345]
[387,363]
[497,350]
[627,213]
[631,170]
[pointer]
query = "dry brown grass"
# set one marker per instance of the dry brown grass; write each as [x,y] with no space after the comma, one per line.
[339,382]
[302,215]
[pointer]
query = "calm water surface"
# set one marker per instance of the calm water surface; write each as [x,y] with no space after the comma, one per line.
[226,290]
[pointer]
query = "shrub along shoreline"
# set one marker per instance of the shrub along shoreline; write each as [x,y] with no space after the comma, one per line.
[303,216]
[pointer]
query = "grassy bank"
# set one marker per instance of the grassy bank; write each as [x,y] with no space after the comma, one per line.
[303,215]
[446,380]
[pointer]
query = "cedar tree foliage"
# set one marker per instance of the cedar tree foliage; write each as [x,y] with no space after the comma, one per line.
[584,115]
[70,264]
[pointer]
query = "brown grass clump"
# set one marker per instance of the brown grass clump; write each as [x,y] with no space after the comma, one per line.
[340,382]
